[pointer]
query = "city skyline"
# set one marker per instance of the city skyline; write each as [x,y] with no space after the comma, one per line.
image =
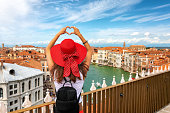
[102,22]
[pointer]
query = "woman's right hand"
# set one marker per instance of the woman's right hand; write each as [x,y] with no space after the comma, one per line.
[63,30]
[76,31]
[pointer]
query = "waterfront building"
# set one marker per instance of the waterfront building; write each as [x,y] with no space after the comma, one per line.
[16,81]
[119,59]
[103,54]
[134,63]
[110,58]
[94,58]
[131,61]
[126,66]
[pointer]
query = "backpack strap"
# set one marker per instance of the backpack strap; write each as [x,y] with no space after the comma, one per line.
[67,81]
[79,97]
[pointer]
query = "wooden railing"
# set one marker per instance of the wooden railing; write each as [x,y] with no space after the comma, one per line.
[144,95]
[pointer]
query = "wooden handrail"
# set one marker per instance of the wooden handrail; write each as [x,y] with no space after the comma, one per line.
[120,84]
[33,107]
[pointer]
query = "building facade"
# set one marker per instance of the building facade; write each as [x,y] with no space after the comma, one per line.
[17,81]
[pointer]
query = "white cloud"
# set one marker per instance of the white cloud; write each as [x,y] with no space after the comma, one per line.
[147,34]
[143,18]
[125,17]
[153,18]
[161,6]
[135,33]
[96,10]
[167,34]
[57,9]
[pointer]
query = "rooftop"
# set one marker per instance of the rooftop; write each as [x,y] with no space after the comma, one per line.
[21,72]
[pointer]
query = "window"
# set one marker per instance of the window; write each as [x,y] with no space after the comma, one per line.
[47,69]
[11,93]
[30,97]
[16,108]
[16,101]
[11,87]
[15,85]
[38,81]
[11,110]
[35,96]
[39,95]
[35,82]
[1,92]
[29,84]
[23,99]
[15,91]
[12,72]
[23,87]
[11,103]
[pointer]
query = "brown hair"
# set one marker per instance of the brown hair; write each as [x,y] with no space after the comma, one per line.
[59,72]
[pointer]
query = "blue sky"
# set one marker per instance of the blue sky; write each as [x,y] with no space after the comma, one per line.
[102,22]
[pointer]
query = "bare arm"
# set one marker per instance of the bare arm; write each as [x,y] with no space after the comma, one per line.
[51,44]
[89,50]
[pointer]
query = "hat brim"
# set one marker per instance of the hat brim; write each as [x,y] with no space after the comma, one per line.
[57,56]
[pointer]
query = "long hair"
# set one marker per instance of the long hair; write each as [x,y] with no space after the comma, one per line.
[60,70]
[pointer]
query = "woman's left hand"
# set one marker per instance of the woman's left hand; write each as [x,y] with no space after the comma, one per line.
[63,30]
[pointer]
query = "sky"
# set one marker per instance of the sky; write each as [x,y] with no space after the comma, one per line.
[101,22]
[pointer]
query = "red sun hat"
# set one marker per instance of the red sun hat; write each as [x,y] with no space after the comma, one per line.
[68,54]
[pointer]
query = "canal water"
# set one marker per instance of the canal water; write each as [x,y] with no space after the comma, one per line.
[97,73]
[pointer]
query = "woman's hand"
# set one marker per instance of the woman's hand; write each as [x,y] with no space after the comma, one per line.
[76,31]
[63,30]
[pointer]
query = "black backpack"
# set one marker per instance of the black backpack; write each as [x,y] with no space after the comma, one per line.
[67,101]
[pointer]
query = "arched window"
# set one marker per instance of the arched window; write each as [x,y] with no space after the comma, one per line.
[23,99]
[29,84]
[23,87]
[35,96]
[35,82]
[39,95]
[38,81]
[1,93]
[30,97]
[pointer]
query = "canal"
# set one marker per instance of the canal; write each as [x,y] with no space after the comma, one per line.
[97,73]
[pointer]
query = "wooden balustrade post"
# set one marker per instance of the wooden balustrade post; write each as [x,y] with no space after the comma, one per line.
[98,101]
[103,101]
[47,109]
[89,103]
[94,102]
[84,103]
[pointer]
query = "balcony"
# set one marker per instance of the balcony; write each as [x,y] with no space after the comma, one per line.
[144,95]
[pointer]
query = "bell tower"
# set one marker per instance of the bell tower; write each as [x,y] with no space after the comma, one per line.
[124,45]
[2,45]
